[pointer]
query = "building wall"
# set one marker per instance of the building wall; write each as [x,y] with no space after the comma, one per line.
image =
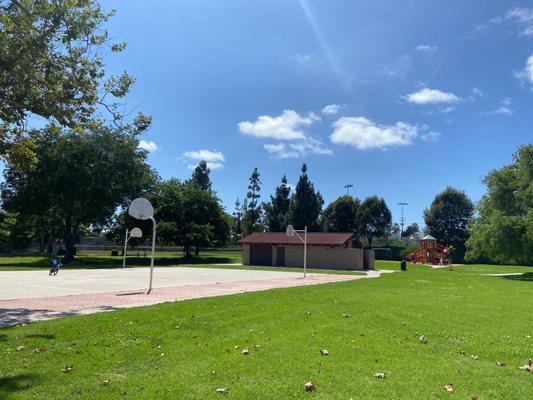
[324,257]
[246,254]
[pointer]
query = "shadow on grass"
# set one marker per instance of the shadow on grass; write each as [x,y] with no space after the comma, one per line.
[16,316]
[526,276]
[41,336]
[16,383]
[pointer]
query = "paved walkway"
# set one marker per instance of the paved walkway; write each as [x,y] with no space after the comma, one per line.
[27,296]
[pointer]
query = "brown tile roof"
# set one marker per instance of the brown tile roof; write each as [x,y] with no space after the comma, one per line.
[313,238]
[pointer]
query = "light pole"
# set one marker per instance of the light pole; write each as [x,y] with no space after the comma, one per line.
[347,187]
[401,203]
[291,232]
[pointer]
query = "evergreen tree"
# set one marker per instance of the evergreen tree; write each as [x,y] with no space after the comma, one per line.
[374,218]
[236,225]
[411,230]
[447,219]
[305,205]
[200,176]
[341,215]
[252,216]
[278,207]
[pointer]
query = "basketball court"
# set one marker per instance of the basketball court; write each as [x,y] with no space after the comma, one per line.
[27,296]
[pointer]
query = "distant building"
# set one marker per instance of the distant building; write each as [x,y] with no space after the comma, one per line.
[324,250]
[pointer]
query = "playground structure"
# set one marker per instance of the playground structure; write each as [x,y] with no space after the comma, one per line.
[429,252]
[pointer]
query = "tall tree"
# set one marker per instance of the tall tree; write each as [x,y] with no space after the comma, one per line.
[411,230]
[276,210]
[374,218]
[341,215]
[447,219]
[200,176]
[306,204]
[236,224]
[78,179]
[52,66]
[503,229]
[252,215]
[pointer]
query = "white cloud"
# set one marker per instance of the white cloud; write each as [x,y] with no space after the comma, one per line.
[398,68]
[214,159]
[526,75]
[524,17]
[431,96]
[282,127]
[331,109]
[300,58]
[477,93]
[507,101]
[148,146]
[296,150]
[363,133]
[501,110]
[430,136]
[426,48]
[206,155]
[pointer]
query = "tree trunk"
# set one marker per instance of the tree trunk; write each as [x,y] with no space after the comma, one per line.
[197,251]
[41,243]
[369,241]
[187,249]
[50,243]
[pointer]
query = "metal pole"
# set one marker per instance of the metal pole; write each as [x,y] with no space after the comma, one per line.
[153,254]
[305,252]
[125,246]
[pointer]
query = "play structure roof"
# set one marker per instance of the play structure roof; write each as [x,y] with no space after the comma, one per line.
[428,237]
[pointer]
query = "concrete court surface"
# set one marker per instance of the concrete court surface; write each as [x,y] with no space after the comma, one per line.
[27,296]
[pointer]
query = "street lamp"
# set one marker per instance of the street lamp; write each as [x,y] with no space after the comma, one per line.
[347,187]
[290,233]
[401,219]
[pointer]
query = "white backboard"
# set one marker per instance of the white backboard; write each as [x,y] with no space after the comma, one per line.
[290,231]
[140,208]
[136,233]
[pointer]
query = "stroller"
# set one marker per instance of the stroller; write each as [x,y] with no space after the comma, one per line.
[55,266]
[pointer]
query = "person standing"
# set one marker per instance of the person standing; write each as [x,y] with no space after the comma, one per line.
[403,265]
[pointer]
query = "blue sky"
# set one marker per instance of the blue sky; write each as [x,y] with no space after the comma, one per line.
[420,94]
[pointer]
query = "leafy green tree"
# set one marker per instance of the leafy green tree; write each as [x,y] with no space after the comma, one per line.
[78,179]
[374,218]
[411,230]
[276,210]
[204,221]
[200,176]
[52,68]
[252,215]
[395,229]
[306,204]
[503,229]
[447,219]
[341,215]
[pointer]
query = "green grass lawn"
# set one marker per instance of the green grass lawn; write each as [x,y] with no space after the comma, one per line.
[98,260]
[186,350]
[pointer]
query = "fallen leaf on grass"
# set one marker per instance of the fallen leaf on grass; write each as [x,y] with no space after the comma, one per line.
[448,387]
[462,352]
[500,363]
[245,351]
[19,348]
[310,386]
[528,367]
[474,357]
[346,315]
[66,368]
[474,397]
[37,350]
[105,383]
[324,352]
[423,339]
[222,390]
[257,346]
[379,375]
